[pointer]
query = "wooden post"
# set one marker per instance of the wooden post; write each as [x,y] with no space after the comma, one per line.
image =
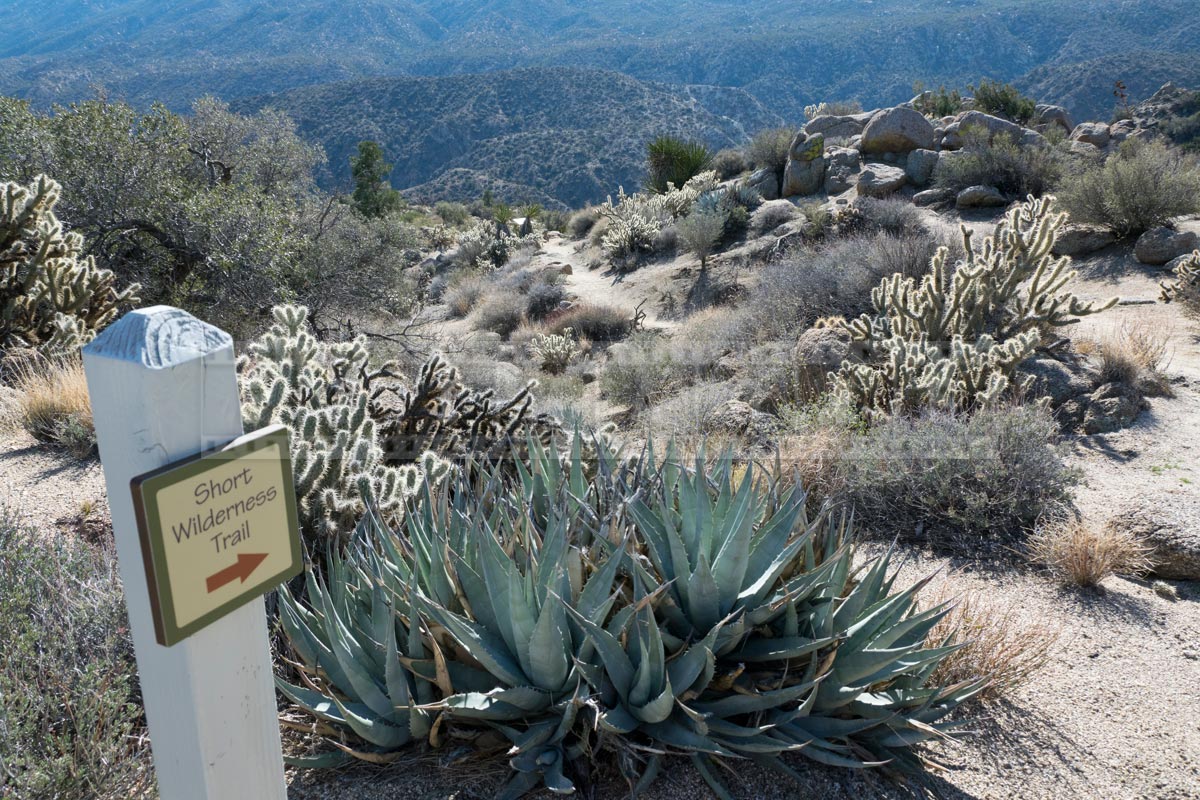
[163,386]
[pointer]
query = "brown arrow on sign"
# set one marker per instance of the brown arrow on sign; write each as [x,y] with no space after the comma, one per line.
[246,563]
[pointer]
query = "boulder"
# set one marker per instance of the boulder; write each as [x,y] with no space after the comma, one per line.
[835,126]
[738,418]
[880,180]
[1031,138]
[844,158]
[1091,132]
[765,182]
[1159,245]
[1084,149]
[1174,263]
[1170,524]
[1049,115]
[980,197]
[993,125]
[1112,407]
[931,197]
[805,171]
[818,352]
[771,214]
[1060,381]
[897,130]
[920,165]
[1082,240]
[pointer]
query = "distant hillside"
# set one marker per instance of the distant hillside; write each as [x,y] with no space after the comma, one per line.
[570,134]
[785,54]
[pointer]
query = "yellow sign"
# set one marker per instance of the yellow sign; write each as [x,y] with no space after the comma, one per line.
[217,530]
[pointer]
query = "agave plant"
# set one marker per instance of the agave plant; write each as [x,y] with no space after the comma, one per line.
[595,604]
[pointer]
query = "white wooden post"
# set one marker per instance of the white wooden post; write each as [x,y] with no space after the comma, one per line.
[163,387]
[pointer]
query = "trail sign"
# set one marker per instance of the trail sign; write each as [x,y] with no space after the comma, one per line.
[217,530]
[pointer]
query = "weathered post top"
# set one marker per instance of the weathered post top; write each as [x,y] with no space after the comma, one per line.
[163,386]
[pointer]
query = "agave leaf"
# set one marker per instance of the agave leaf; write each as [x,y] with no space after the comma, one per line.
[658,708]
[315,703]
[732,559]
[549,662]
[330,760]
[618,720]
[783,647]
[616,663]
[749,703]
[483,646]
[371,728]
[718,788]
[350,658]
[673,734]
[484,706]
[703,597]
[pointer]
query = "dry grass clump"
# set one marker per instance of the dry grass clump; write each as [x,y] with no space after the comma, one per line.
[995,640]
[464,293]
[1137,355]
[49,399]
[593,321]
[1083,554]
[502,313]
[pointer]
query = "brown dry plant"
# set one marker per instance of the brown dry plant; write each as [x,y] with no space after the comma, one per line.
[1082,553]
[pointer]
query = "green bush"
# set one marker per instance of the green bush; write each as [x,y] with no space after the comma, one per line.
[1015,171]
[939,102]
[582,222]
[701,231]
[670,160]
[643,373]
[603,612]
[71,724]
[1003,100]
[1140,187]
[544,298]
[769,149]
[729,163]
[501,312]
[454,214]
[972,480]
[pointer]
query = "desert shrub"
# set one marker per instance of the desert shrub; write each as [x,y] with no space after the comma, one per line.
[955,339]
[700,232]
[593,321]
[1083,554]
[1145,184]
[995,639]
[484,246]
[52,296]
[50,401]
[543,298]
[581,222]
[464,292]
[769,149]
[939,102]
[1183,128]
[728,163]
[771,216]
[970,483]
[1015,171]
[699,610]
[554,219]
[632,224]
[642,373]
[453,214]
[1186,283]
[683,416]
[890,215]
[674,161]
[1003,100]
[71,724]
[554,352]
[499,312]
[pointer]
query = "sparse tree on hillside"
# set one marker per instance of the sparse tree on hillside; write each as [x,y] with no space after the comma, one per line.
[373,196]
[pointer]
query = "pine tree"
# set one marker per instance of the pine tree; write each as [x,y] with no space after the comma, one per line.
[373,195]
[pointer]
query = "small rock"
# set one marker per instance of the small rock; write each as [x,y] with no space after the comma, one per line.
[880,180]
[980,197]
[1168,524]
[1159,245]
[897,130]
[1112,407]
[1058,380]
[931,197]
[1081,240]
[738,418]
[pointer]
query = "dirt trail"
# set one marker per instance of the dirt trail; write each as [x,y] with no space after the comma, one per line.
[625,291]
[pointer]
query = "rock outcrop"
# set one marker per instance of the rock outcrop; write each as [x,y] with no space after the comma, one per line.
[805,171]
[897,130]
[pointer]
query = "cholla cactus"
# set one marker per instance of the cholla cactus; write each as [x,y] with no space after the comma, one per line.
[1186,285]
[554,352]
[51,296]
[484,246]
[981,317]
[634,220]
[324,393]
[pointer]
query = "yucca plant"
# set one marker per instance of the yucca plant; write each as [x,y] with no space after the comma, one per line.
[634,608]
